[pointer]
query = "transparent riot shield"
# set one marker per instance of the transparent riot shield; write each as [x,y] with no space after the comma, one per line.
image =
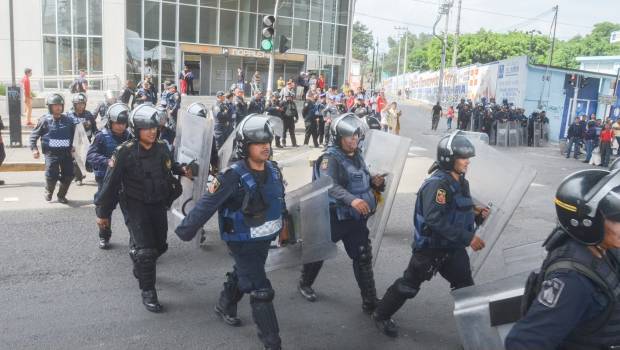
[502,133]
[391,164]
[498,181]
[226,152]
[308,227]
[80,145]
[277,125]
[513,134]
[545,134]
[193,147]
[538,134]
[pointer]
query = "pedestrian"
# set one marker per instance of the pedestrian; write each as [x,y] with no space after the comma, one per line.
[127,93]
[240,79]
[188,76]
[607,137]
[249,199]
[572,302]
[100,153]
[80,84]
[256,82]
[393,118]
[241,107]
[445,221]
[27,92]
[436,116]
[56,131]
[353,200]
[310,120]
[290,116]
[2,151]
[87,119]
[616,128]
[257,102]
[224,122]
[320,82]
[182,83]
[590,139]
[140,175]
[280,84]
[574,135]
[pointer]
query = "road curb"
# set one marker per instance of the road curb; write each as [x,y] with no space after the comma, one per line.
[18,167]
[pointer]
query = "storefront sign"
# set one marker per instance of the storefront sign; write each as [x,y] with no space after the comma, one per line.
[245,53]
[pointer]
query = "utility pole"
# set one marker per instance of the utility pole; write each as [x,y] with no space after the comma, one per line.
[546,78]
[458,32]
[398,59]
[12,42]
[372,82]
[405,32]
[444,9]
[531,50]
[272,56]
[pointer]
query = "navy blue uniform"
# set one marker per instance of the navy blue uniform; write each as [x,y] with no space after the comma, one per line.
[352,181]
[101,110]
[444,224]
[256,106]
[99,153]
[224,123]
[150,96]
[247,242]
[87,119]
[57,144]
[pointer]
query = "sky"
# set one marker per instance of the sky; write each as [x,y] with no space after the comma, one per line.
[574,16]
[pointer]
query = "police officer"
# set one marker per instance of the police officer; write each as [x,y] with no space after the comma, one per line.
[290,116]
[274,108]
[574,301]
[80,114]
[249,198]
[241,107]
[329,113]
[310,119]
[257,103]
[100,152]
[223,119]
[445,220]
[140,173]
[321,105]
[145,94]
[359,108]
[56,131]
[173,103]
[352,201]
[102,107]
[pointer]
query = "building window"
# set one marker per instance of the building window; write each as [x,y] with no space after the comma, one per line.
[247,30]
[343,12]
[228,28]
[71,41]
[169,22]
[248,5]
[208,25]
[151,28]
[187,24]
[300,35]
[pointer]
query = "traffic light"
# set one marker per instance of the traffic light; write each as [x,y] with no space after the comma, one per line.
[268,31]
[583,82]
[573,80]
[284,43]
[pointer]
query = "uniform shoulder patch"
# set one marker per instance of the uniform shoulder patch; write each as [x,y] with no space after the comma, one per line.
[214,185]
[324,164]
[168,164]
[440,197]
[550,292]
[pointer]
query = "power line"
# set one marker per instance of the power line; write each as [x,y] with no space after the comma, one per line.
[394,20]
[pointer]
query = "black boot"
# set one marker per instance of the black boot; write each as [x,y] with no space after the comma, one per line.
[309,272]
[50,185]
[150,301]
[362,268]
[393,300]
[264,316]
[104,237]
[62,192]
[226,307]
[104,243]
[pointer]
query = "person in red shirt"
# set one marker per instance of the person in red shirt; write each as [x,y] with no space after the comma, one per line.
[381,102]
[320,83]
[350,99]
[27,95]
[607,136]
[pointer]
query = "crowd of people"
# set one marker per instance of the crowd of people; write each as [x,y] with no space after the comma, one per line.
[596,136]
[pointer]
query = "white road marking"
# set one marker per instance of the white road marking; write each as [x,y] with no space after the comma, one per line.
[10,199]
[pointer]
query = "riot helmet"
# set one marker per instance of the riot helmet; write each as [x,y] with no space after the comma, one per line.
[110,98]
[55,99]
[361,112]
[117,113]
[143,117]
[451,147]
[198,109]
[162,115]
[346,125]
[584,199]
[255,128]
[80,97]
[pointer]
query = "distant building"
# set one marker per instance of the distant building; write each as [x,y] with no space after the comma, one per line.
[600,64]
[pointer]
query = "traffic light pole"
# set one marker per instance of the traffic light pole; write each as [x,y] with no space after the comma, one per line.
[272,58]
[573,111]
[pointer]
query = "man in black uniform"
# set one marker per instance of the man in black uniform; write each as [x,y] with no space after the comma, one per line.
[275,109]
[127,93]
[103,106]
[436,116]
[290,116]
[574,301]
[310,120]
[445,221]
[56,131]
[140,173]
[241,108]
[249,198]
[86,118]
[100,153]
[464,117]
[352,201]
[223,120]
[257,103]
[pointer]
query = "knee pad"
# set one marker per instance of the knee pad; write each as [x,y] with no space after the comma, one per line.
[365,254]
[405,289]
[146,256]
[264,295]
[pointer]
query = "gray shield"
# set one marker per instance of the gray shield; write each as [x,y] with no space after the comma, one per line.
[227,152]
[80,145]
[502,133]
[276,124]
[380,162]
[193,143]
[309,228]
[513,134]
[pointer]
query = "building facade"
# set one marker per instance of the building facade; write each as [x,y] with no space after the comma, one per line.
[119,40]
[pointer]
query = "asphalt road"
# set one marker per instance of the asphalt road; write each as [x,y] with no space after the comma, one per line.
[59,291]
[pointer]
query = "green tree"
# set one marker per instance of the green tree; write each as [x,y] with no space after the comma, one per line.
[362,41]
